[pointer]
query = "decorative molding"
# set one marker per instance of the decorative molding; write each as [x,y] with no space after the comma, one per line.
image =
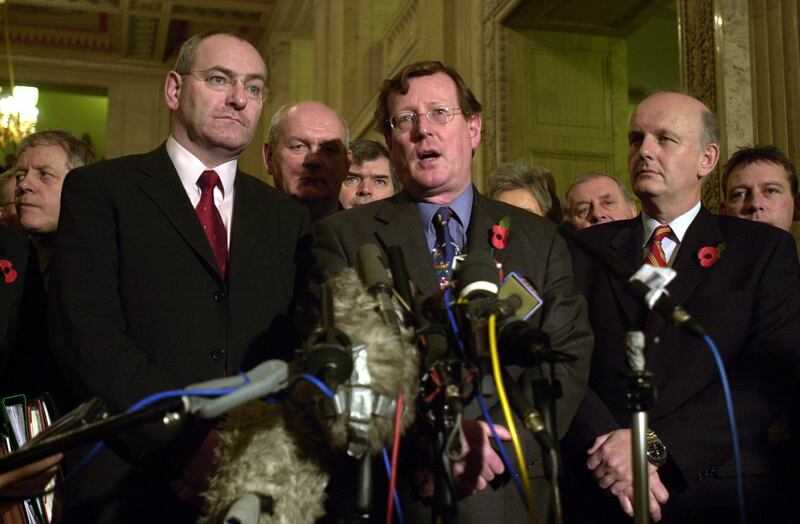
[495,86]
[399,40]
[698,70]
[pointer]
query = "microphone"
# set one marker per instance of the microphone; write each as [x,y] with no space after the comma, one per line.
[287,451]
[373,274]
[402,282]
[663,305]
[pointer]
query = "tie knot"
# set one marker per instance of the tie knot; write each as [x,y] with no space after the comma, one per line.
[661,232]
[443,215]
[208,181]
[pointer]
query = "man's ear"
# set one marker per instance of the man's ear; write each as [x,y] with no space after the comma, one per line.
[172,90]
[709,160]
[475,124]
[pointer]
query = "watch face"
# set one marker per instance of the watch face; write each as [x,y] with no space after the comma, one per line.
[656,451]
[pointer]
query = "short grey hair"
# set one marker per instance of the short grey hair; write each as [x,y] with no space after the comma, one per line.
[78,152]
[537,180]
[275,122]
[593,175]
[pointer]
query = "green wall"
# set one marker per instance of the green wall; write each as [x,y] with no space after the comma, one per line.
[76,113]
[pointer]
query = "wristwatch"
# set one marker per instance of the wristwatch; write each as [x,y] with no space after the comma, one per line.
[656,450]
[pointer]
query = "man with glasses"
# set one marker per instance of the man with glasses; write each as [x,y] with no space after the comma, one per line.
[432,125]
[172,267]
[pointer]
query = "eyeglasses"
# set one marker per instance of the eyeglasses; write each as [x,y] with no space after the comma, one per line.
[219,81]
[405,120]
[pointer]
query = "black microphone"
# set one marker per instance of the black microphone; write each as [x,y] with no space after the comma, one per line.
[402,282]
[328,352]
[664,305]
[373,274]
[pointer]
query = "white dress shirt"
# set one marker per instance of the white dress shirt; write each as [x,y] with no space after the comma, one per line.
[671,242]
[189,169]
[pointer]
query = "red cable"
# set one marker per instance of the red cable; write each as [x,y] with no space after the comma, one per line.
[398,419]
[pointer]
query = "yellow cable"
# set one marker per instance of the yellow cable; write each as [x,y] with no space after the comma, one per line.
[501,392]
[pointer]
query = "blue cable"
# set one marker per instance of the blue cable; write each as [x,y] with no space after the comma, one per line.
[388,465]
[503,456]
[737,454]
[92,454]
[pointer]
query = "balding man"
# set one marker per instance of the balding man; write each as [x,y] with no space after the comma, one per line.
[596,198]
[739,280]
[308,155]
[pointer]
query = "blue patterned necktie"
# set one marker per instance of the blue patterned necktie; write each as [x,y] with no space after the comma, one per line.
[445,249]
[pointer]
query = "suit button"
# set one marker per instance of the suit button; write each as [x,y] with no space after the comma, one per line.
[219,295]
[217,354]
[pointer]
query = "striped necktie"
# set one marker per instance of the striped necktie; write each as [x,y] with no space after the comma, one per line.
[655,253]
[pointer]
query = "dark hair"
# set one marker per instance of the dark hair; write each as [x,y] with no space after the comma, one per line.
[188,51]
[399,84]
[750,155]
[78,152]
[367,150]
[537,180]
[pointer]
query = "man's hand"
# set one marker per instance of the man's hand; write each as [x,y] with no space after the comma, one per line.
[610,459]
[479,463]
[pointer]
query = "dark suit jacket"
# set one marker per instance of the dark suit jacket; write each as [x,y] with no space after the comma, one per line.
[535,250]
[749,302]
[138,303]
[25,363]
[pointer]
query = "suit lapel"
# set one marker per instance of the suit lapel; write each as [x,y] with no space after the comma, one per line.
[704,231]
[402,228]
[162,184]
[627,247]
[246,226]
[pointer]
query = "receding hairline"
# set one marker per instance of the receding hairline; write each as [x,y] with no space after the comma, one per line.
[588,177]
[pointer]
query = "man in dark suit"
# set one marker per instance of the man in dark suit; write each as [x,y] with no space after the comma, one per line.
[173,267]
[432,125]
[739,280]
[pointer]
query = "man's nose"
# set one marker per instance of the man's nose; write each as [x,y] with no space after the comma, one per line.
[364,187]
[237,97]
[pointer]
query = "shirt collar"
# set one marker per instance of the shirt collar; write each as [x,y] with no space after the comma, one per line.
[678,226]
[461,207]
[189,168]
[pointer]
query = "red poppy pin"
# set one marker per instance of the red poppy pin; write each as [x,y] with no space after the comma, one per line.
[709,255]
[9,273]
[500,234]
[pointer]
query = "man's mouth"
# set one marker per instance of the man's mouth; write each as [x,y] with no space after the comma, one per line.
[427,156]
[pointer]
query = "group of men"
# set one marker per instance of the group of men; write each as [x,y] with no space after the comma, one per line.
[193,265]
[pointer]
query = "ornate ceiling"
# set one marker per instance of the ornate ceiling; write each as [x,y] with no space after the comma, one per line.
[132,31]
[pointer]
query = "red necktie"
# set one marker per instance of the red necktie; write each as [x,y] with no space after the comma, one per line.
[655,253]
[210,218]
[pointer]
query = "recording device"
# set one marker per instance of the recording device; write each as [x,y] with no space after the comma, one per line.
[283,451]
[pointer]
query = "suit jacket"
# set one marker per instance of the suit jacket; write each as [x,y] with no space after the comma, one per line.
[535,250]
[139,305]
[25,362]
[749,303]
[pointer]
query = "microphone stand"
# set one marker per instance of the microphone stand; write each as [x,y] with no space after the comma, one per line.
[545,392]
[448,409]
[639,399]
